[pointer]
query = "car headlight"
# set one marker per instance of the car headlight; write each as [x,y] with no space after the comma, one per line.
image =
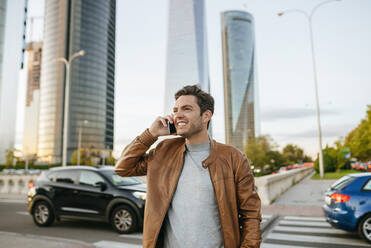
[140,195]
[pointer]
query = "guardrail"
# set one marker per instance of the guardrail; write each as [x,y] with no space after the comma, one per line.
[16,184]
[272,186]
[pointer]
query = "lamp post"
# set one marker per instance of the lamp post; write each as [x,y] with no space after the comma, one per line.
[79,141]
[66,102]
[309,18]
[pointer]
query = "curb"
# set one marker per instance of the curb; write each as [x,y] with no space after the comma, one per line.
[265,226]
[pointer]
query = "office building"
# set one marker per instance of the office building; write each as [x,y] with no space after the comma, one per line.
[187,56]
[31,114]
[12,43]
[240,86]
[69,27]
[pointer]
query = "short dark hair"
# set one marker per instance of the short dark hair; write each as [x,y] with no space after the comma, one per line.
[204,100]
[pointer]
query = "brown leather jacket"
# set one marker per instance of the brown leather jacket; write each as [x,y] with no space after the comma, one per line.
[230,174]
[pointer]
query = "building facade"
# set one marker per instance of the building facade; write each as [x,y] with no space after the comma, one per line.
[239,72]
[187,55]
[12,44]
[71,26]
[31,114]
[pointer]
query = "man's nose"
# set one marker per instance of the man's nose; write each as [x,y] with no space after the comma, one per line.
[178,115]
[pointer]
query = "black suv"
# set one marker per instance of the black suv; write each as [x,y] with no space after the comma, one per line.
[88,192]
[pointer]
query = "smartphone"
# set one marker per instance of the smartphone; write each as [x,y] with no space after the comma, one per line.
[171,127]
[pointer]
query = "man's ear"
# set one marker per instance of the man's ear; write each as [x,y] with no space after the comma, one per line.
[206,116]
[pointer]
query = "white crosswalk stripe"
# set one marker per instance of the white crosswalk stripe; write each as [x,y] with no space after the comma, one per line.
[315,232]
[137,237]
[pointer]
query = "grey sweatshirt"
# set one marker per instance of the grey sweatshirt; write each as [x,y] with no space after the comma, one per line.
[193,219]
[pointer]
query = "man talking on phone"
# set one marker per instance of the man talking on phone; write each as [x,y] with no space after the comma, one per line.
[200,193]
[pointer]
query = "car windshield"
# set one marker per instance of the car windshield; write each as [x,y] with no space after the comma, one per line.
[120,181]
[342,183]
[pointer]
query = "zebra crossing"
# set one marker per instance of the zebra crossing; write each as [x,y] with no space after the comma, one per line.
[314,232]
[135,239]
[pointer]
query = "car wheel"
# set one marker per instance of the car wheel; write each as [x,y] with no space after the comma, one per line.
[123,219]
[43,214]
[364,228]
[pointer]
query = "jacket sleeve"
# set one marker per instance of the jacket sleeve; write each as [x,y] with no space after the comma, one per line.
[249,206]
[134,160]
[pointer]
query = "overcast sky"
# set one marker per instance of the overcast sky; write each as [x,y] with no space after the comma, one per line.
[342,40]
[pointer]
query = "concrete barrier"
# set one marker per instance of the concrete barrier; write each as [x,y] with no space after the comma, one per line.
[269,187]
[15,184]
[272,186]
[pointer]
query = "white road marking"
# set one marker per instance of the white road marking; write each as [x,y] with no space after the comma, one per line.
[138,236]
[304,223]
[305,218]
[112,244]
[316,239]
[23,213]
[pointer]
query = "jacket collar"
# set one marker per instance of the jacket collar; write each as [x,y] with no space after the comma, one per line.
[213,152]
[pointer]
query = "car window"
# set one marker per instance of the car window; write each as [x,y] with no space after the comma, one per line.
[90,178]
[120,181]
[367,186]
[66,176]
[342,183]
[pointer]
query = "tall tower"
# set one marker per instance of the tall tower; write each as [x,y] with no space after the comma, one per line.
[240,87]
[12,44]
[31,115]
[187,57]
[71,26]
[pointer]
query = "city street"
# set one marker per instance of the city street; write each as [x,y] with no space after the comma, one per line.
[17,230]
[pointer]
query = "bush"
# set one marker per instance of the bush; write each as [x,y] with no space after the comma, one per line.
[329,160]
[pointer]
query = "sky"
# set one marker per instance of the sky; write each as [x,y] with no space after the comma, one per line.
[342,43]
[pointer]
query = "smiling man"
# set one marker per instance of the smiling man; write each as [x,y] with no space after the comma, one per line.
[200,193]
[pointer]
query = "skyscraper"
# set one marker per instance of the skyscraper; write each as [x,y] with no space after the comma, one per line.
[12,44]
[31,115]
[187,57]
[240,87]
[71,26]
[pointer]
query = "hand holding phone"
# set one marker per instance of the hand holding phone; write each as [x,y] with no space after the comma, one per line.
[171,127]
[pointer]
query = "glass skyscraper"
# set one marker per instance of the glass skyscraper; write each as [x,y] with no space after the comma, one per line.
[240,87]
[13,16]
[71,26]
[187,56]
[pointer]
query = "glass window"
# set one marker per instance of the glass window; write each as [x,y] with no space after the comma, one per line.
[342,183]
[367,186]
[90,178]
[120,181]
[63,176]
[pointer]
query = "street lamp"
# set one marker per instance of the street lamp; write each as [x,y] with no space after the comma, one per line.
[309,18]
[66,102]
[79,141]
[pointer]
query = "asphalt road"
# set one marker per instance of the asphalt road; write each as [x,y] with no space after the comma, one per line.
[279,232]
[15,219]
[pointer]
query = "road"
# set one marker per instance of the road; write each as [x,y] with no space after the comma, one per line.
[283,232]
[15,219]
[299,231]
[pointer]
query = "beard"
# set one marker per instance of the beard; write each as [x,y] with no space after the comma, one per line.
[195,128]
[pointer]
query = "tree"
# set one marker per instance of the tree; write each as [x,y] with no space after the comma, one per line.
[359,139]
[9,157]
[342,157]
[258,148]
[85,157]
[329,160]
[293,154]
